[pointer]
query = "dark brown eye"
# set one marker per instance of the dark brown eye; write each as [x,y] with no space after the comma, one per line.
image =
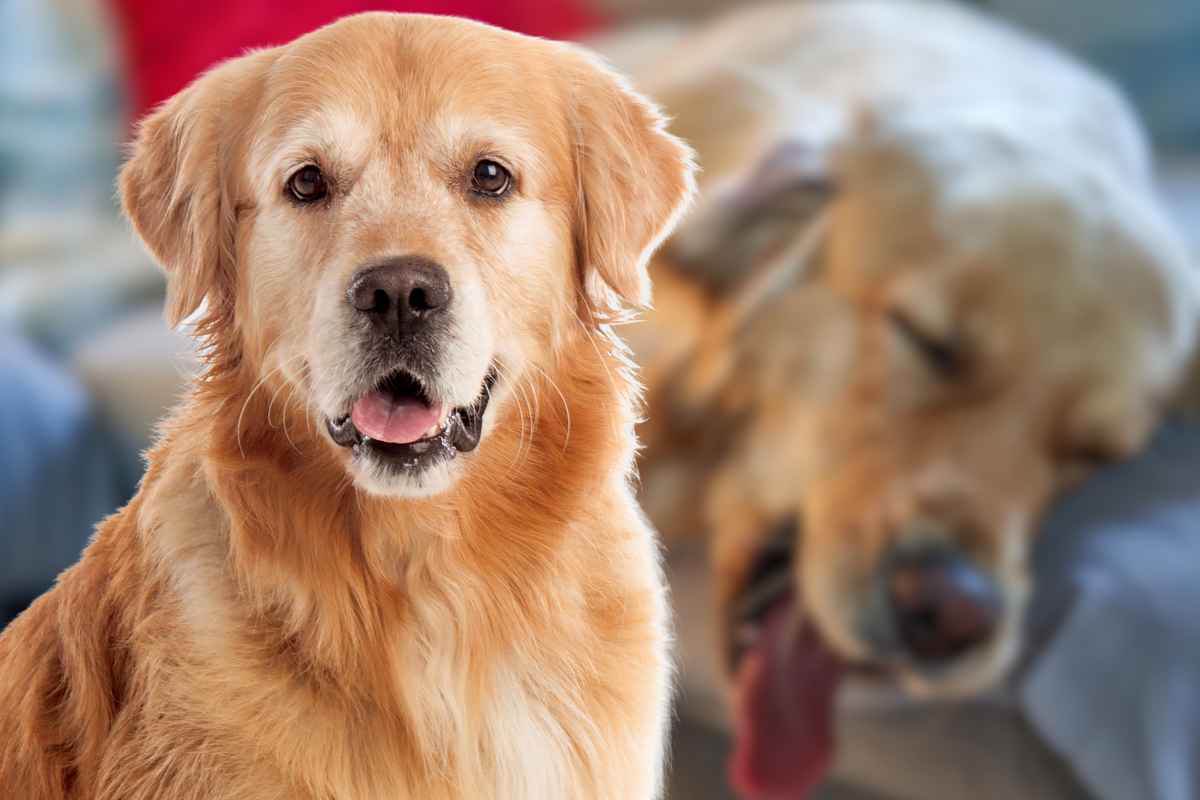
[944,357]
[491,179]
[307,184]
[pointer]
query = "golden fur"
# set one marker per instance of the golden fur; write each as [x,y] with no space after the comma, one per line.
[265,622]
[866,162]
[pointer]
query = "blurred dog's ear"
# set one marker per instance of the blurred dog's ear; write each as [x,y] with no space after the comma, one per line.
[759,226]
[760,235]
[634,181]
[177,188]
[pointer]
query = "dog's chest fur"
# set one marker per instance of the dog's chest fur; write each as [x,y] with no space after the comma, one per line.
[455,684]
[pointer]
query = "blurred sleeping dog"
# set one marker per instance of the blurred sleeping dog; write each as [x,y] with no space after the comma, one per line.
[387,546]
[926,287]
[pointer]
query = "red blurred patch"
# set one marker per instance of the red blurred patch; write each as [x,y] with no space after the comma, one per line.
[167,43]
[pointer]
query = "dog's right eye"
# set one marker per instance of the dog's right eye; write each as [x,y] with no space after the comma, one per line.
[307,184]
[490,179]
[945,357]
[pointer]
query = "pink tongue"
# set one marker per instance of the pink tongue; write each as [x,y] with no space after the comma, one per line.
[784,697]
[398,420]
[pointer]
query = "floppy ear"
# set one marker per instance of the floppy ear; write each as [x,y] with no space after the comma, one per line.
[760,221]
[634,182]
[177,186]
[753,240]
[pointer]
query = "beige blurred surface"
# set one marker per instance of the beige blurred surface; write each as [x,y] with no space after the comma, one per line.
[136,369]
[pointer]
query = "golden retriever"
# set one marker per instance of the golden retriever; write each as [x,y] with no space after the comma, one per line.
[387,546]
[927,286]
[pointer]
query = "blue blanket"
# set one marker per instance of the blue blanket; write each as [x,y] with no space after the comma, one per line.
[1116,687]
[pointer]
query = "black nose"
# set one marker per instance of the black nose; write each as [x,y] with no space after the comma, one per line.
[942,605]
[401,295]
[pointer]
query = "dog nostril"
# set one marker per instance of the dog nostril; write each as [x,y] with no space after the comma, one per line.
[418,300]
[381,302]
[942,605]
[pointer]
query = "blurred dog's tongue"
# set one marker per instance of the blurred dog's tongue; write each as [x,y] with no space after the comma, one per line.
[398,420]
[784,711]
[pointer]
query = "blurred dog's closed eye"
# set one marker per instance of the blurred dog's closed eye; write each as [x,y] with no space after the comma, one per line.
[944,356]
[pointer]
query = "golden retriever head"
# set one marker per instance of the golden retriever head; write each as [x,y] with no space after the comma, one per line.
[901,362]
[397,218]
[1011,325]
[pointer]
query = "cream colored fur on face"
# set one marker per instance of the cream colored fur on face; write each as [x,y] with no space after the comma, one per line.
[260,623]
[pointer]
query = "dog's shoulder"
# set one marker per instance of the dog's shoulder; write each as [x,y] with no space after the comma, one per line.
[66,670]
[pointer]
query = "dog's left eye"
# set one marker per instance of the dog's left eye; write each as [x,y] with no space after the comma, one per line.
[945,357]
[491,179]
[307,184]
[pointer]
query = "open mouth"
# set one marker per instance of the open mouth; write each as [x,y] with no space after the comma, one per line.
[785,675]
[785,682]
[399,423]
[768,584]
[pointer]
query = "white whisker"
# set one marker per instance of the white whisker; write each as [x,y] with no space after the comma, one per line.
[519,398]
[258,385]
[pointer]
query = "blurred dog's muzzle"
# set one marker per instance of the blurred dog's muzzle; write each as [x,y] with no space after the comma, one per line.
[932,607]
[942,605]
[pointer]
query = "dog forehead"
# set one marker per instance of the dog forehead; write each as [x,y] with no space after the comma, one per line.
[412,85]
[399,70]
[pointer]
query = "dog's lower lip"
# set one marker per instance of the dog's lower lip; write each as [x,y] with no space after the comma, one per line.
[343,432]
